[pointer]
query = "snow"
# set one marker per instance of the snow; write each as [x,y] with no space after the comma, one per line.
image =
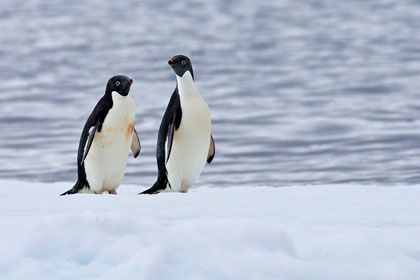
[301,232]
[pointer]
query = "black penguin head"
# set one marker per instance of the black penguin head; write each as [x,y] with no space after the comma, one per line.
[120,84]
[181,64]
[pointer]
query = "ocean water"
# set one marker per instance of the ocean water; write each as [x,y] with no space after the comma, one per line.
[301,92]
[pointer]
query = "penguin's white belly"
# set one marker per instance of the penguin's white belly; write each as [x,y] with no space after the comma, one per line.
[107,158]
[190,145]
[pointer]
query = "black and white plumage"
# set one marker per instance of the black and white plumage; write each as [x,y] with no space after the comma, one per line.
[106,140]
[185,142]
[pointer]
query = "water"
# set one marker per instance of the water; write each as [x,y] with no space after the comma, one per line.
[301,92]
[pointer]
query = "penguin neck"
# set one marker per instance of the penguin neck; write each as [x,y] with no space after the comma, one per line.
[118,98]
[186,85]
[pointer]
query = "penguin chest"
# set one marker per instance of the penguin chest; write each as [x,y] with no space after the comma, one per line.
[107,158]
[190,144]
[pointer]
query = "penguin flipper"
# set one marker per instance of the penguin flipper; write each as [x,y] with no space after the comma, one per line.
[90,140]
[173,121]
[169,140]
[212,150]
[135,144]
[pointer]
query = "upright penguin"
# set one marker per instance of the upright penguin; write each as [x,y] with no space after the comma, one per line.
[106,140]
[184,142]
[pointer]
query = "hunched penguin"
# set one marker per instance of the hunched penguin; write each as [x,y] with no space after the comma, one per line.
[184,142]
[106,140]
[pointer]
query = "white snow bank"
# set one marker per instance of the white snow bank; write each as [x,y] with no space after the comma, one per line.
[311,232]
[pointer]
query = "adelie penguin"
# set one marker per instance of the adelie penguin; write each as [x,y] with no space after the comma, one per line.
[106,140]
[184,142]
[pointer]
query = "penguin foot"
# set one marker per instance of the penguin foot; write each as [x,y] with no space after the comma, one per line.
[112,192]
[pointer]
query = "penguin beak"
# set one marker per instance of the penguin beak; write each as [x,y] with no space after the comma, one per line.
[171,62]
[130,82]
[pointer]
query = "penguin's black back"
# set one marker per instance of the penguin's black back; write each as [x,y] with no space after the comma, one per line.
[98,115]
[172,117]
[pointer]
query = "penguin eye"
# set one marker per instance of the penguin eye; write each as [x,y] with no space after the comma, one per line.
[183,62]
[117,83]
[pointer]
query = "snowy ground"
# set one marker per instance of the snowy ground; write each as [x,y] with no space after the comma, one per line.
[309,232]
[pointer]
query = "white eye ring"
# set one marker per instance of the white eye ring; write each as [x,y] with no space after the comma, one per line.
[117,83]
[183,62]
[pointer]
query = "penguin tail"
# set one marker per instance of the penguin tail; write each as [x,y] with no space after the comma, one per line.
[157,187]
[73,190]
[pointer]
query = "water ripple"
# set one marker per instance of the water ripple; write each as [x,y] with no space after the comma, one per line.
[301,92]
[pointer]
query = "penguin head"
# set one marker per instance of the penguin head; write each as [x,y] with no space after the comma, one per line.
[181,64]
[120,84]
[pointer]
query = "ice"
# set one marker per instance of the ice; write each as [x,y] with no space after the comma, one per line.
[302,232]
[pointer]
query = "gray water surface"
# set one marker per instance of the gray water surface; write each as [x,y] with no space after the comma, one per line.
[301,92]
